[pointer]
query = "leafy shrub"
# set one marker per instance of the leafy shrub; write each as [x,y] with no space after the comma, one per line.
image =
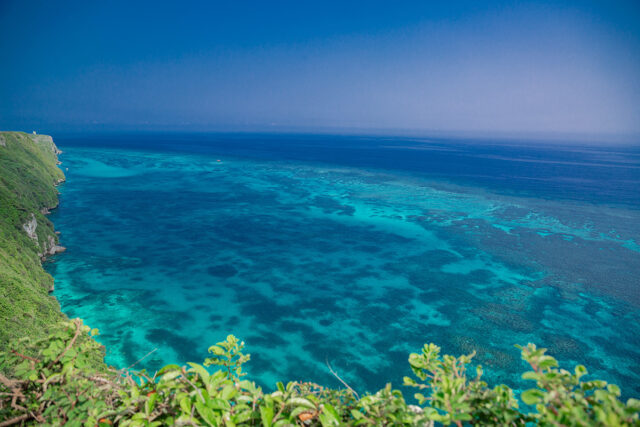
[61,384]
[454,398]
[561,398]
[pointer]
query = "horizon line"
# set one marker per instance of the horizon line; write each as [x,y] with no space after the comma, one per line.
[622,138]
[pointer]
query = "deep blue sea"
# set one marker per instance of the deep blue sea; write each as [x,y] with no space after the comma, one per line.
[353,251]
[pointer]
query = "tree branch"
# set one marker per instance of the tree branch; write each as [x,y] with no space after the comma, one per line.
[25,357]
[73,340]
[341,380]
[15,420]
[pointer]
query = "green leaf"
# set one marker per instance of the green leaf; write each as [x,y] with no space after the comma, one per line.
[168,368]
[228,392]
[532,396]
[220,404]
[409,382]
[171,375]
[242,416]
[207,414]
[329,416]
[634,404]
[200,370]
[150,403]
[185,404]
[580,370]
[217,350]
[266,415]
[614,389]
[299,401]
[546,362]
[420,398]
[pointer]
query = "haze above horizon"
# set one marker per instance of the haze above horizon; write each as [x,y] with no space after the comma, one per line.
[499,68]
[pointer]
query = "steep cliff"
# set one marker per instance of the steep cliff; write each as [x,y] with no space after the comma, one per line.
[28,180]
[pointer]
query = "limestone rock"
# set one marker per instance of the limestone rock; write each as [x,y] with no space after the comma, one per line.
[52,248]
[30,228]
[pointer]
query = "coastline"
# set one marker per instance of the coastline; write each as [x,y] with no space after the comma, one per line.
[29,175]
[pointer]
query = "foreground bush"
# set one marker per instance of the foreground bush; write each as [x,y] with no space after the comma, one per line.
[61,384]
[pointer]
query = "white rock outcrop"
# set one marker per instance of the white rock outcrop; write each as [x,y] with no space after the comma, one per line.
[50,246]
[30,228]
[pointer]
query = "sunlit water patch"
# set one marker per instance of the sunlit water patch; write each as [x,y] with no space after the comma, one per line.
[310,264]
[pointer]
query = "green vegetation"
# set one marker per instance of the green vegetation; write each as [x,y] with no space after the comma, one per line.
[60,385]
[28,175]
[51,369]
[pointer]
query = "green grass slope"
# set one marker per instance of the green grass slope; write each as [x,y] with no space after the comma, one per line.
[28,176]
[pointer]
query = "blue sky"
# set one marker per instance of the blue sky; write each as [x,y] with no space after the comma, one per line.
[475,67]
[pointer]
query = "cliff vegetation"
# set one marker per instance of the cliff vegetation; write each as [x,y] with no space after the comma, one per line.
[28,177]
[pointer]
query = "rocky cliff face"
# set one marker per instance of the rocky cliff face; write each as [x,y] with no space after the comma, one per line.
[30,228]
[47,242]
[49,246]
[47,142]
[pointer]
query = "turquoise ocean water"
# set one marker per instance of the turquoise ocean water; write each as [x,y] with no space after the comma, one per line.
[353,252]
